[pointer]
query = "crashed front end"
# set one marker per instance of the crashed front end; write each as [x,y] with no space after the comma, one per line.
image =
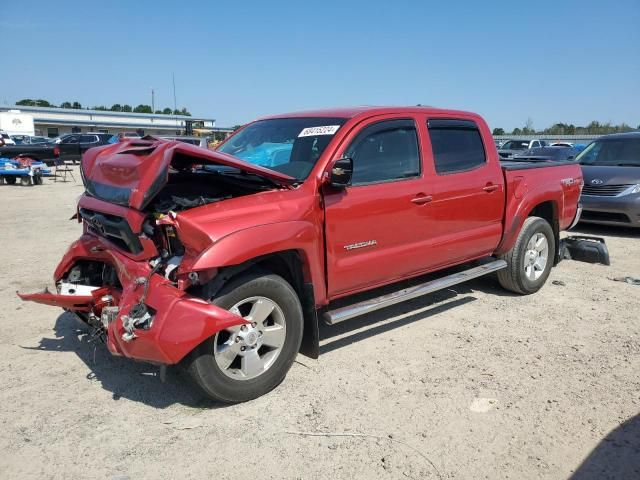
[140,312]
[129,275]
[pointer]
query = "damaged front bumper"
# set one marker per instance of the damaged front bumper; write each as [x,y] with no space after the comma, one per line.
[148,318]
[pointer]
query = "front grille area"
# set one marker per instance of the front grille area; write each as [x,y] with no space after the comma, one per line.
[604,190]
[113,228]
[604,217]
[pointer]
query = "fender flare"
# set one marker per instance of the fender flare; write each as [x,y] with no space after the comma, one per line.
[515,220]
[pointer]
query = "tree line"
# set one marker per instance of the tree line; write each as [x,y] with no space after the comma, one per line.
[593,128]
[116,107]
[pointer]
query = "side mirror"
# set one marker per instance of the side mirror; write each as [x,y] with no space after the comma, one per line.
[341,173]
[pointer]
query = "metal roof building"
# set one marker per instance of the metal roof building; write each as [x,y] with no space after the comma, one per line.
[52,122]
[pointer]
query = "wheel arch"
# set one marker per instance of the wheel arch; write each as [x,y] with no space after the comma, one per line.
[290,265]
[546,207]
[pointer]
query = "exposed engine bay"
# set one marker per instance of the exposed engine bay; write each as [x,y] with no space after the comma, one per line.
[190,189]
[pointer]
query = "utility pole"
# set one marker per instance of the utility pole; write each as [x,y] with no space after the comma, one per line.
[153,101]
[175,103]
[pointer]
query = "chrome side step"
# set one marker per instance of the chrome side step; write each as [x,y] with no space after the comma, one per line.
[346,313]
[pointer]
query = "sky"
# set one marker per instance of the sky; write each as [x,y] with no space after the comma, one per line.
[548,61]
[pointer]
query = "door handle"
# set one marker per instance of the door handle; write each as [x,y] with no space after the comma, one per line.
[490,187]
[422,199]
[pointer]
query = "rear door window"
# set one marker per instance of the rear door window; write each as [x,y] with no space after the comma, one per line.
[457,145]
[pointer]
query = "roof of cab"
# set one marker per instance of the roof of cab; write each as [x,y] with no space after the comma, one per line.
[350,112]
[614,136]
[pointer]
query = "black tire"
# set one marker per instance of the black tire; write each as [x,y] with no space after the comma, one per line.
[25,181]
[201,363]
[514,277]
[10,180]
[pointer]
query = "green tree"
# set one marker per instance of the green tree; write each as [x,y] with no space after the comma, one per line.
[143,109]
[498,131]
[158,112]
[184,112]
[66,105]
[26,102]
[126,108]
[76,105]
[167,111]
[116,107]
[101,108]
[516,131]
[42,103]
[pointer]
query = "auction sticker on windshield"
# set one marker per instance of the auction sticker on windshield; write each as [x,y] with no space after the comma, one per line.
[322,130]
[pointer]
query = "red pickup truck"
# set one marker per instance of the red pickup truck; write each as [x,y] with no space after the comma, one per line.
[224,260]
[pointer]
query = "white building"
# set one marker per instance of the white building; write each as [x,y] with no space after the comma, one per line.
[53,122]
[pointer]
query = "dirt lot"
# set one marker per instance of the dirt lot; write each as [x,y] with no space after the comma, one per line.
[469,383]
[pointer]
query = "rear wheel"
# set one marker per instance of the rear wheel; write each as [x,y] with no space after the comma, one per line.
[530,260]
[244,362]
[10,180]
[25,181]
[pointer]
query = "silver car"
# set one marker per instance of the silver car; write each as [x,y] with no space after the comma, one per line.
[611,170]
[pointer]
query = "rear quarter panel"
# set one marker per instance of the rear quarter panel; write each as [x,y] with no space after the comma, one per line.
[528,188]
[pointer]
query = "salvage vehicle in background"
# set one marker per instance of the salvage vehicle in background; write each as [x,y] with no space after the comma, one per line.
[5,139]
[44,152]
[72,147]
[212,260]
[611,169]
[25,170]
[512,147]
[30,140]
[548,154]
[197,141]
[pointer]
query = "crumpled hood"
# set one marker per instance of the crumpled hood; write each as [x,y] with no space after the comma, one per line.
[132,172]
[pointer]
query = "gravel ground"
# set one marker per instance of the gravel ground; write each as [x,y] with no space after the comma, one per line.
[469,383]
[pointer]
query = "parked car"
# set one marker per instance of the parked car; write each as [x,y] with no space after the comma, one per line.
[73,146]
[513,147]
[45,152]
[547,154]
[30,140]
[209,259]
[197,141]
[611,169]
[125,135]
[5,139]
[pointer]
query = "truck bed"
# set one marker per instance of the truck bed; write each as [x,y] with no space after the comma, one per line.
[527,165]
[44,153]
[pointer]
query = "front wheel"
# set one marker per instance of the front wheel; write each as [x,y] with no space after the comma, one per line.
[245,362]
[530,260]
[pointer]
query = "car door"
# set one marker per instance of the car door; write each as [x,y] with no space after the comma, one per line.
[376,227]
[468,195]
[69,147]
[86,142]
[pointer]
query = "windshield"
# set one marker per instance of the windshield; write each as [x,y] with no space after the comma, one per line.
[515,145]
[288,145]
[619,152]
